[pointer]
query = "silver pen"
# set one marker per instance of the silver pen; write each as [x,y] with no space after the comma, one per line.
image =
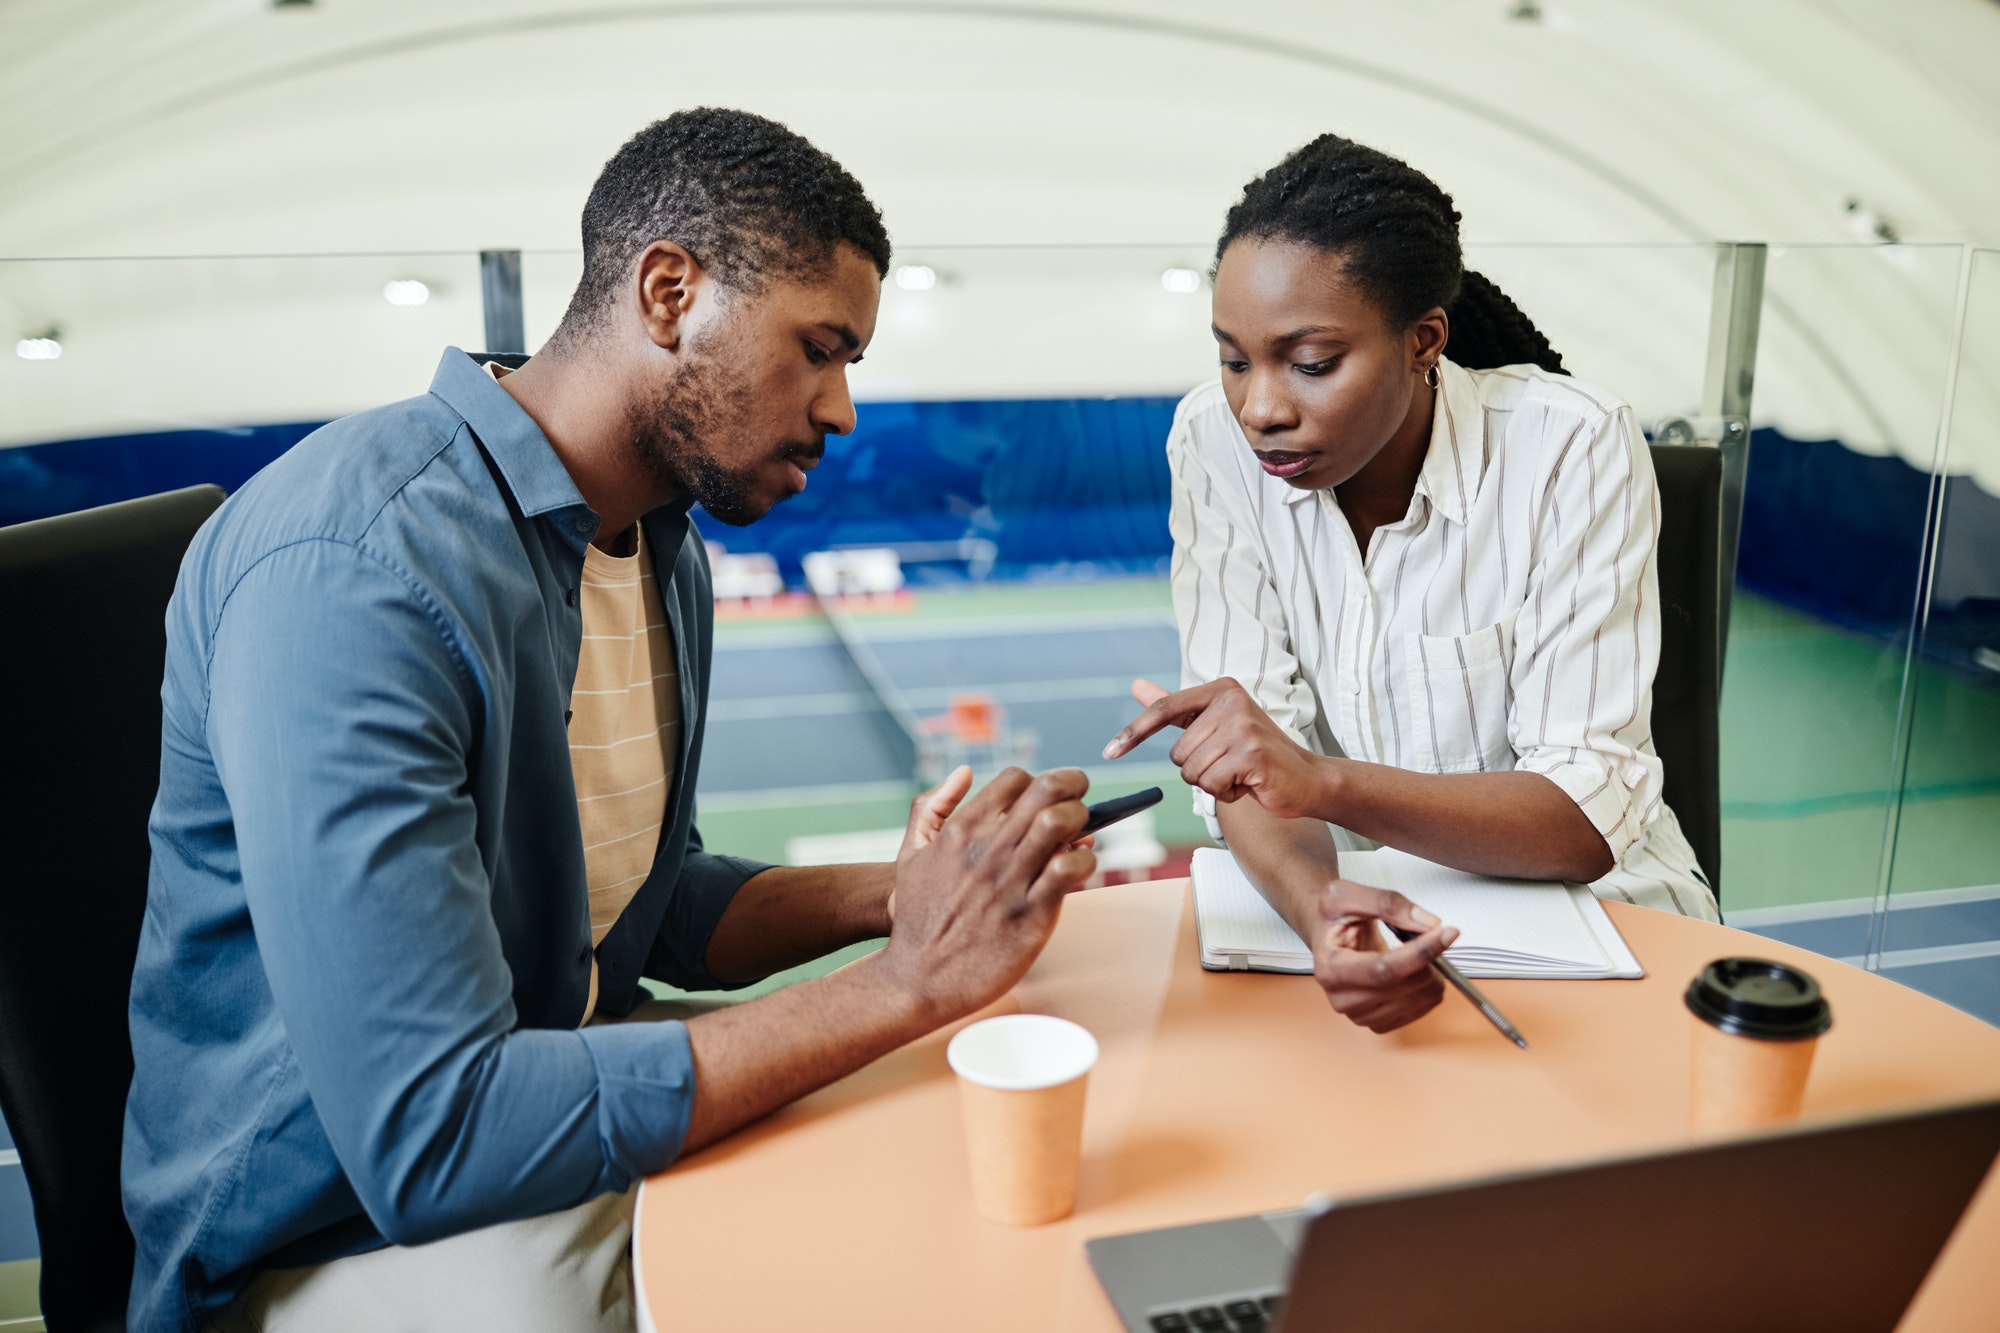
[1449,971]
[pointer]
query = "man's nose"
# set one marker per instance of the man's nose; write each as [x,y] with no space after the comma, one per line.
[833,411]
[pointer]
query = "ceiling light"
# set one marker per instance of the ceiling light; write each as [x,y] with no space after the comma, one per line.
[1181,281]
[405,291]
[916,277]
[44,348]
[1870,225]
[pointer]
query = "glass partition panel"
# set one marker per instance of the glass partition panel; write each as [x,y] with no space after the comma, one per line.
[1851,365]
[1008,460]
[1942,928]
[1009,473]
[1632,319]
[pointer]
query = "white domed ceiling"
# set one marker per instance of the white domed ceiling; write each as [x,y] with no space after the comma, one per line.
[1594,146]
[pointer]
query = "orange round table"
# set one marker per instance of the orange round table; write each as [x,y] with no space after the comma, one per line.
[1219,1094]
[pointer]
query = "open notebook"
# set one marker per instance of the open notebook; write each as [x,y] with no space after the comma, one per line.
[1507,927]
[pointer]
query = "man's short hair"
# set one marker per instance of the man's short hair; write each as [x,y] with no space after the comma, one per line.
[745,196]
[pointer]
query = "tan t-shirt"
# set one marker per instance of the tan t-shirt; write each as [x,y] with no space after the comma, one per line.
[624,727]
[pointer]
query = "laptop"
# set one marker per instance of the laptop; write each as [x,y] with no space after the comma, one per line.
[1829,1227]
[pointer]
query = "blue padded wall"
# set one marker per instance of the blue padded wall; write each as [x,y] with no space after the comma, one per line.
[1078,486]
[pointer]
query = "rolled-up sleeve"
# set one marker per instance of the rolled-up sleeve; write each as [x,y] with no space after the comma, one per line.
[341,717]
[1230,615]
[1587,640]
[703,889]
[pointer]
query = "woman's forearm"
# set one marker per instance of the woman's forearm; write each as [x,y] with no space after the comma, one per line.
[1291,861]
[1515,824]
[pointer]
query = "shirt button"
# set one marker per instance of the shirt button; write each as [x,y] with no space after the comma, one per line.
[583,524]
[569,595]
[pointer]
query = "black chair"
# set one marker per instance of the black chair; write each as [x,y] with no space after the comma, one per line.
[1687,691]
[84,599]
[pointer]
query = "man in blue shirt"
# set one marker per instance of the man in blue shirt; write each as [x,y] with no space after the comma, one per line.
[368,942]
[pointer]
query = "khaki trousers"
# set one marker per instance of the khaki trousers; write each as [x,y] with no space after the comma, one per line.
[564,1271]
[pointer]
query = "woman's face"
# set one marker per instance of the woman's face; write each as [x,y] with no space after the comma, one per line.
[1310,365]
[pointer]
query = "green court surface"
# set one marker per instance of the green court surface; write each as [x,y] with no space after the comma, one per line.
[1808,730]
[1807,754]
[19,1286]
[1808,767]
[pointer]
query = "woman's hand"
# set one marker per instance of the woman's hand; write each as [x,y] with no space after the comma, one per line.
[1376,986]
[1231,748]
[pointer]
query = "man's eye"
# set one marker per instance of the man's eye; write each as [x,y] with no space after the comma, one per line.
[815,353]
[1317,367]
[1235,367]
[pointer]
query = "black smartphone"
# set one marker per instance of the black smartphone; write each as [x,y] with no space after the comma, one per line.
[1115,809]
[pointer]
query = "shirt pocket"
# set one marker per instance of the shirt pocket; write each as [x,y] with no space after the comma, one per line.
[1460,695]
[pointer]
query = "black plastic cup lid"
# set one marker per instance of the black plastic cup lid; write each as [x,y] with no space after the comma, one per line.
[1755,997]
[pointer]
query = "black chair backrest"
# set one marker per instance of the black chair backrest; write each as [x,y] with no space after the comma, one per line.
[84,598]
[1688,689]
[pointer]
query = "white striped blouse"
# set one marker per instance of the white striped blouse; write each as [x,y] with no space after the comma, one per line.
[1509,620]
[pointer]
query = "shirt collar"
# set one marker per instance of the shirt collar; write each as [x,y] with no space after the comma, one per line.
[1456,458]
[1456,461]
[526,460]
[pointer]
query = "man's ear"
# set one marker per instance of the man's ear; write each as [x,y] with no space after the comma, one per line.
[668,276]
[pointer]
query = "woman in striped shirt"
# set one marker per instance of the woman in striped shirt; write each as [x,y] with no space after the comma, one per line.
[1413,570]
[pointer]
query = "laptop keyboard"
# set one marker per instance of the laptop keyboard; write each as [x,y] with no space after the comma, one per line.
[1228,1317]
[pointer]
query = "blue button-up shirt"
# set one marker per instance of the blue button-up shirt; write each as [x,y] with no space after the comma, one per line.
[367,945]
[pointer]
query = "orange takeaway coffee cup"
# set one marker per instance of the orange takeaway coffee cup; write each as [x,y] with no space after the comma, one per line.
[1021,1081]
[1756,1025]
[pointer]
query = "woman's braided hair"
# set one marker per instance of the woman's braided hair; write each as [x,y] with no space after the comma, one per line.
[1397,235]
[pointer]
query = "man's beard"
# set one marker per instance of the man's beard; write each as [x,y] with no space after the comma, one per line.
[706,401]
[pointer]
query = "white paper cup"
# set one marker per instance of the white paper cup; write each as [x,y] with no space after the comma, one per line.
[1021,1080]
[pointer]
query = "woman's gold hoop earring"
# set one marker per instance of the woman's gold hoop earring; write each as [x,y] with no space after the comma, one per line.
[1431,375]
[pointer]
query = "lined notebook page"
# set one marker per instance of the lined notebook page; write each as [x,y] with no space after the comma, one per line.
[1507,928]
[1233,918]
[1531,921]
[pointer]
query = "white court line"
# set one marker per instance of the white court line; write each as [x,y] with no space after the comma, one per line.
[761,708]
[778,798]
[767,708]
[1066,622]
[1943,953]
[819,634]
[1754,917]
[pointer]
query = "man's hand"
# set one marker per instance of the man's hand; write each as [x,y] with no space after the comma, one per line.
[927,816]
[1376,986]
[1231,748]
[978,886]
[929,811]
[977,898]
